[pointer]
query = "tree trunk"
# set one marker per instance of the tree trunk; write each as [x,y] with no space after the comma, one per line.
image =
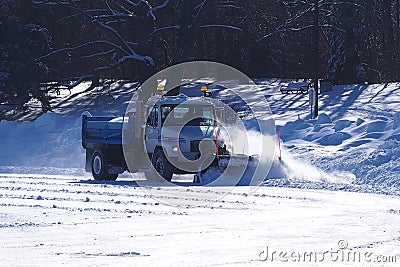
[388,42]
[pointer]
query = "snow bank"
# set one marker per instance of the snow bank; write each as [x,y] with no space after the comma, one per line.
[382,166]
[362,150]
[50,141]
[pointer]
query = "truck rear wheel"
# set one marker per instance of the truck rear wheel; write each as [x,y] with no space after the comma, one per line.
[100,167]
[162,165]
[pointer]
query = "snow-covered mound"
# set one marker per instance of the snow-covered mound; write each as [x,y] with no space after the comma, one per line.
[357,133]
[50,141]
[369,150]
[53,140]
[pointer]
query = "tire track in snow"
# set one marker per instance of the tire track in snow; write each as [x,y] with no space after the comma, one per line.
[69,191]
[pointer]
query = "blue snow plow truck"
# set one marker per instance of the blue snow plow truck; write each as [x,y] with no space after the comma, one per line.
[169,134]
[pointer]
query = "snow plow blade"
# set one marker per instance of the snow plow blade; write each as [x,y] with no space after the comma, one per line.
[233,160]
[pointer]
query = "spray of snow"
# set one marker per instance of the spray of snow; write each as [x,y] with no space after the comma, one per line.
[303,170]
[255,143]
[291,167]
[242,138]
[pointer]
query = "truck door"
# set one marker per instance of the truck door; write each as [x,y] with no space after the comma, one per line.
[151,131]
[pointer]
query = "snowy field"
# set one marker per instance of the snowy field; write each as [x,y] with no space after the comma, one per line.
[49,220]
[338,204]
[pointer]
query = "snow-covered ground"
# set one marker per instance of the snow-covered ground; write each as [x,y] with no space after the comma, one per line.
[340,196]
[49,220]
[357,134]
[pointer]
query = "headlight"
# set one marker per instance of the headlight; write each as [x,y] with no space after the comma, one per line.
[175,149]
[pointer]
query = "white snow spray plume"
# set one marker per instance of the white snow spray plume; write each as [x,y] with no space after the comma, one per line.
[240,142]
[261,147]
[253,142]
[303,170]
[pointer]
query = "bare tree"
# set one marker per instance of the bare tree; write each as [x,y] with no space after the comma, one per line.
[132,31]
[114,41]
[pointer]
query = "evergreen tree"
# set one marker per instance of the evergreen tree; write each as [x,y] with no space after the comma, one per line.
[22,41]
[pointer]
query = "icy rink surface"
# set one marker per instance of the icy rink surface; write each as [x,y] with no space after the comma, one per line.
[54,220]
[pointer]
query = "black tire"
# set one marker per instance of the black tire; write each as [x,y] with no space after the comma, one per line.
[162,166]
[100,167]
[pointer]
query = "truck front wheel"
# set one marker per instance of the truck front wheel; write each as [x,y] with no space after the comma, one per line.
[162,165]
[100,167]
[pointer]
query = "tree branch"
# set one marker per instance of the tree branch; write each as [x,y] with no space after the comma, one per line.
[82,46]
[173,27]
[299,29]
[163,5]
[221,26]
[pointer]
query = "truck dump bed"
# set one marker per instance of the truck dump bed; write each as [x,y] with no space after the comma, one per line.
[101,131]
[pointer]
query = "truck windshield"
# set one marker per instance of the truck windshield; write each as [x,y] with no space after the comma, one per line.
[192,115]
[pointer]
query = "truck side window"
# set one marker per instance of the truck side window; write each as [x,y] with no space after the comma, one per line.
[152,119]
[165,110]
[155,123]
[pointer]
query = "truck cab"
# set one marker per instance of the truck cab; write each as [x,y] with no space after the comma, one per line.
[177,131]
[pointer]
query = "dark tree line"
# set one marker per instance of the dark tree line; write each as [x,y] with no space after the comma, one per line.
[49,45]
